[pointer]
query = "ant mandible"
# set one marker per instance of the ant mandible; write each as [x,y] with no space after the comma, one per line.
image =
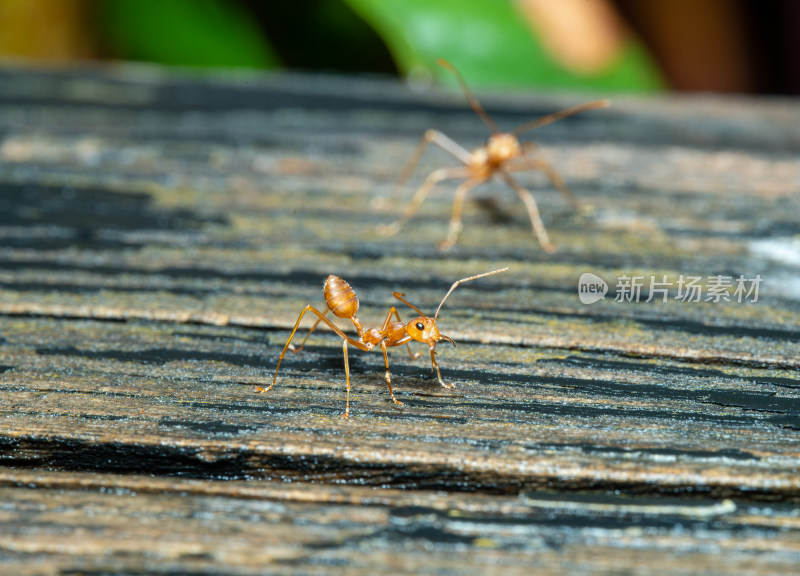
[502,155]
[341,299]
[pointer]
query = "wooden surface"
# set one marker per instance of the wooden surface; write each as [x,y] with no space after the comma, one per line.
[159,235]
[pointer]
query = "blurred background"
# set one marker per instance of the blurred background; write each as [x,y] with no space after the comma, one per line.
[743,46]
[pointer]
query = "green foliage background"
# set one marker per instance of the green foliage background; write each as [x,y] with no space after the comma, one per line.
[488,40]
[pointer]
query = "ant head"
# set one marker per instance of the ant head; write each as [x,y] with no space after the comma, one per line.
[503,146]
[424,329]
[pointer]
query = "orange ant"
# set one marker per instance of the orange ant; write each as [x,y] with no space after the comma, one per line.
[341,299]
[502,155]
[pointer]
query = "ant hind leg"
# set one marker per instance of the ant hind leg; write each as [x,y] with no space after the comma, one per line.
[533,213]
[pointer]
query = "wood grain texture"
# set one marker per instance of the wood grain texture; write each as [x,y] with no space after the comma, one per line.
[160,234]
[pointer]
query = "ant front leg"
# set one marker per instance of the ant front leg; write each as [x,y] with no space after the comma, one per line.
[438,372]
[393,312]
[429,137]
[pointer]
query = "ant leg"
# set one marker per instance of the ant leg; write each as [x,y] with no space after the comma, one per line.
[314,327]
[288,343]
[448,145]
[554,177]
[455,220]
[331,325]
[393,310]
[388,377]
[438,373]
[429,137]
[533,212]
[542,165]
[411,208]
[558,182]
[347,377]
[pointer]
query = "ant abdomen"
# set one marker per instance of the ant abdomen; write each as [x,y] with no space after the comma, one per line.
[340,297]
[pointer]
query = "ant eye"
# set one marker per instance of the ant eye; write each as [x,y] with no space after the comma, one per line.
[420,326]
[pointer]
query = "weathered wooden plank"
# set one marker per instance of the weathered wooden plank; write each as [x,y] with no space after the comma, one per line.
[159,236]
[154,395]
[92,523]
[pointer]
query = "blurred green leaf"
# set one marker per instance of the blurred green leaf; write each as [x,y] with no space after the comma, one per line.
[209,33]
[491,45]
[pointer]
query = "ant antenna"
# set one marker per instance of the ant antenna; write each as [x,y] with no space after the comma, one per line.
[473,102]
[399,296]
[453,287]
[550,118]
